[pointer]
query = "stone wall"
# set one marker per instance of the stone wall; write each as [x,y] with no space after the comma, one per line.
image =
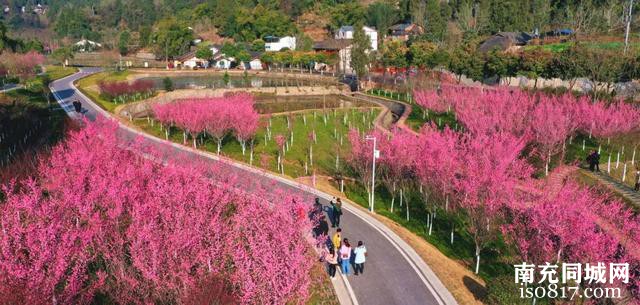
[626,90]
[143,108]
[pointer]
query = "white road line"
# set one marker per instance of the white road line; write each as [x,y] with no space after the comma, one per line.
[352,294]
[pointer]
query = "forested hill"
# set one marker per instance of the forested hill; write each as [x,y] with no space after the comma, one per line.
[247,20]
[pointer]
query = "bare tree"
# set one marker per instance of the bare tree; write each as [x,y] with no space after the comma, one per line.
[626,34]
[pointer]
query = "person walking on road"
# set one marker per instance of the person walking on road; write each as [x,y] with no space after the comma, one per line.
[345,256]
[360,254]
[337,238]
[337,211]
[323,226]
[332,262]
[77,106]
[316,211]
[331,212]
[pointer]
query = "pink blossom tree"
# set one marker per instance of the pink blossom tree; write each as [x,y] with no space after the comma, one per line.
[140,231]
[552,123]
[431,100]
[280,142]
[361,158]
[487,182]
[436,169]
[396,168]
[245,124]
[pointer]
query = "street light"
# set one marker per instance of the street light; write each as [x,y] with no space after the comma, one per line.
[376,155]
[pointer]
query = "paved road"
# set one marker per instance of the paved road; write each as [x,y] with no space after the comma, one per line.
[394,273]
[9,87]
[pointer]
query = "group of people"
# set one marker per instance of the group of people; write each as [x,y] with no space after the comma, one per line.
[337,251]
[342,253]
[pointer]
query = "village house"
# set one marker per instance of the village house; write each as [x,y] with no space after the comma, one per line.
[191,61]
[222,61]
[274,44]
[85,45]
[404,31]
[255,63]
[340,47]
[346,32]
[504,41]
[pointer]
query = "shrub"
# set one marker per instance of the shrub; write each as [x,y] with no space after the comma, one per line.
[503,290]
[167,83]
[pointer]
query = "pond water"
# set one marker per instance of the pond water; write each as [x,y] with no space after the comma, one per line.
[234,81]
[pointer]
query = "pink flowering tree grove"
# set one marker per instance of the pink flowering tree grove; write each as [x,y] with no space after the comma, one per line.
[546,121]
[217,117]
[487,175]
[23,66]
[574,224]
[101,220]
[124,91]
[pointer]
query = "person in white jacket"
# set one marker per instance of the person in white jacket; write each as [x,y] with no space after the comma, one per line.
[361,256]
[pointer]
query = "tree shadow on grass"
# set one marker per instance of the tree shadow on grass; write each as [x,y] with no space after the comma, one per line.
[479,292]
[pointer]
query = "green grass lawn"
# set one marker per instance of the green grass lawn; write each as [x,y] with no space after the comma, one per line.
[89,86]
[32,113]
[57,72]
[561,46]
[609,147]
[325,150]
[495,260]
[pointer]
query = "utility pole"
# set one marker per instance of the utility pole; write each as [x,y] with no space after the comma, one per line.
[626,34]
[376,155]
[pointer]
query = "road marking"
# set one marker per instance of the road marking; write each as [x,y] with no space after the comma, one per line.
[352,294]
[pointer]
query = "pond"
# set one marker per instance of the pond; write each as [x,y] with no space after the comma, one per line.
[234,81]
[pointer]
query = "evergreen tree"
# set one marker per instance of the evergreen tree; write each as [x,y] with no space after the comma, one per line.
[172,38]
[360,51]
[435,22]
[123,42]
[382,15]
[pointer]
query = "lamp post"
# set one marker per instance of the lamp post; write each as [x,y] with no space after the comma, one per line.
[376,155]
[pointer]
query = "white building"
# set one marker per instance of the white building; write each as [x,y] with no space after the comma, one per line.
[190,61]
[255,64]
[224,62]
[346,32]
[86,45]
[274,44]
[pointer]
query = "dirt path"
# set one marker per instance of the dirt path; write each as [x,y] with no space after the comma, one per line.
[623,190]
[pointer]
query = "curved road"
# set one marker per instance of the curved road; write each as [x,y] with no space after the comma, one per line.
[394,273]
